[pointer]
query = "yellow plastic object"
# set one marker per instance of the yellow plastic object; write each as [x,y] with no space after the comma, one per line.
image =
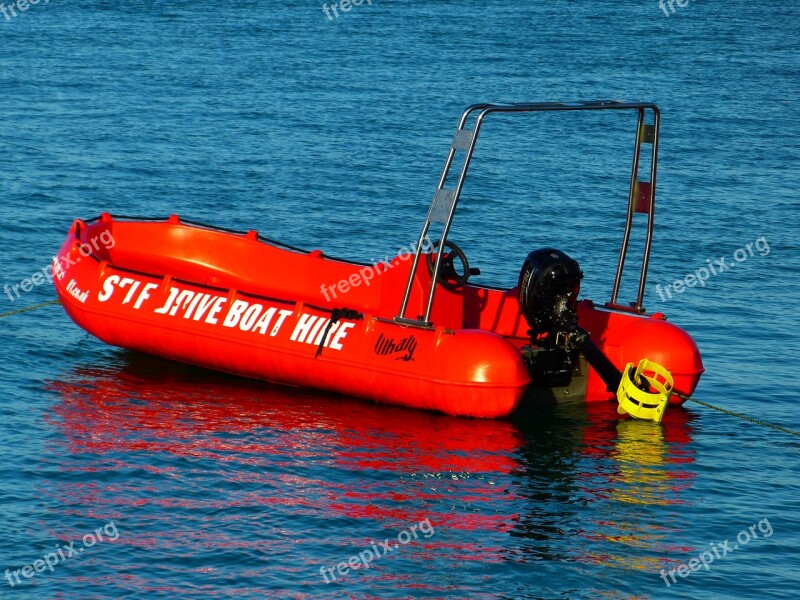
[644,394]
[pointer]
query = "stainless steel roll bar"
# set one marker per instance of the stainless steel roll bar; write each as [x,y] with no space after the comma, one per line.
[641,196]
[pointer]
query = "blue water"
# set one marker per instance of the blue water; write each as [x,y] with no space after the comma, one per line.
[332,134]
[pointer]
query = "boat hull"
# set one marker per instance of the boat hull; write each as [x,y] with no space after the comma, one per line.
[233,303]
[457,372]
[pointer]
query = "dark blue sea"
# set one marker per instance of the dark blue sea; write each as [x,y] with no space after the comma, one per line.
[126,476]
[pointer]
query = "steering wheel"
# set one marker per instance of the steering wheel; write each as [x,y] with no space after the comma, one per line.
[449,276]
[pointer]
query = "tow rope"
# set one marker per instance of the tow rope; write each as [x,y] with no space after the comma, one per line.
[26,309]
[644,394]
[741,416]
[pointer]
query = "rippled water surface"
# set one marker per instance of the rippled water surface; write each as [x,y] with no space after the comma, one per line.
[175,482]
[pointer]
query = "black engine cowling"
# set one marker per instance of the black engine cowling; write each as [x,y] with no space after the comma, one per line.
[549,283]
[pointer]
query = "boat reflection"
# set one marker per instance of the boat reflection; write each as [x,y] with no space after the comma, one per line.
[636,472]
[530,487]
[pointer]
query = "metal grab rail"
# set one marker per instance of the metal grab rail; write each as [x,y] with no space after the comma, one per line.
[641,196]
[642,199]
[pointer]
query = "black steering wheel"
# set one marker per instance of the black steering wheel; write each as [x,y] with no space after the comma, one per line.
[449,276]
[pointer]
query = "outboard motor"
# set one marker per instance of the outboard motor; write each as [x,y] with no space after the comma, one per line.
[548,291]
[549,283]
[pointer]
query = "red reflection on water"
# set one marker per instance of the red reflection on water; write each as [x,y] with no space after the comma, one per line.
[316,454]
[307,454]
[155,406]
[146,406]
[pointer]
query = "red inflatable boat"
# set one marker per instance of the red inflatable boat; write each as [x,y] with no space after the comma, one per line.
[413,332]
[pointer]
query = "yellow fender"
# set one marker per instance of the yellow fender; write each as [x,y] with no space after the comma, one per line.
[644,393]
